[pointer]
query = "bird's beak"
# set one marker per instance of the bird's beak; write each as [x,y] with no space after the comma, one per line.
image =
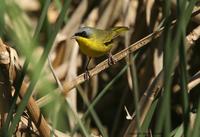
[73,37]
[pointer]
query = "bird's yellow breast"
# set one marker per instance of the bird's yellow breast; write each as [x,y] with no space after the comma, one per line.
[93,48]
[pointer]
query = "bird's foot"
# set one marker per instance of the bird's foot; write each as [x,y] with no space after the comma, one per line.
[86,75]
[111,60]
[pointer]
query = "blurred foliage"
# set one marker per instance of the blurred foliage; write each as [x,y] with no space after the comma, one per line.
[41,29]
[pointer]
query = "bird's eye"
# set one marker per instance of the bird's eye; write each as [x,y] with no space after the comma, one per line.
[82,34]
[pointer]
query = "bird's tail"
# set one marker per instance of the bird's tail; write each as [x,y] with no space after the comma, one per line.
[116,31]
[120,29]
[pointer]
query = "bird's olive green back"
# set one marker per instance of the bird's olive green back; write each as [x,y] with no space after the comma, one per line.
[107,35]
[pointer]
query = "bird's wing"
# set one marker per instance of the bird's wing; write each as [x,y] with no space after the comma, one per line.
[107,36]
[113,33]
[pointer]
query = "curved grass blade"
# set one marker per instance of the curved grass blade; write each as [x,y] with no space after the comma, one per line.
[101,94]
[24,69]
[38,68]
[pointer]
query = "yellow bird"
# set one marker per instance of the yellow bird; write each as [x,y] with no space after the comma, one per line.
[96,42]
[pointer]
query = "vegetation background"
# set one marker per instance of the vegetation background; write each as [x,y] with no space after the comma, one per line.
[153,89]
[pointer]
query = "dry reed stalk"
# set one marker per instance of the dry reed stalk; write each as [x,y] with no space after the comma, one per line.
[11,70]
[35,113]
[119,56]
[6,81]
[154,88]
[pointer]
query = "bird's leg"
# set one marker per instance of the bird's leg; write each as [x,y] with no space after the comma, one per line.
[86,74]
[111,60]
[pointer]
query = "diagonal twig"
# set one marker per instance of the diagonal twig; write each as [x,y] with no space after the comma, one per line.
[119,56]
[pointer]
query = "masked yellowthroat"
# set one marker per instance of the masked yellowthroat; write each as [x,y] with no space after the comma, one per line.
[96,42]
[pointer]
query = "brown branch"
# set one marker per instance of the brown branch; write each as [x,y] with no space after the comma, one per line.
[193,36]
[194,81]
[35,113]
[119,56]
[5,82]
[9,59]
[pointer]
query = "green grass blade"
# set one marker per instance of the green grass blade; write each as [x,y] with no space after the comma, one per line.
[15,14]
[135,91]
[167,33]
[42,18]
[55,116]
[93,113]
[170,52]
[101,94]
[196,132]
[166,96]
[105,90]
[184,82]
[24,69]
[178,132]
[38,69]
[189,9]
[148,118]
[2,21]
[80,123]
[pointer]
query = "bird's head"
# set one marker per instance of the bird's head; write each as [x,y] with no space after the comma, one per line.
[84,32]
